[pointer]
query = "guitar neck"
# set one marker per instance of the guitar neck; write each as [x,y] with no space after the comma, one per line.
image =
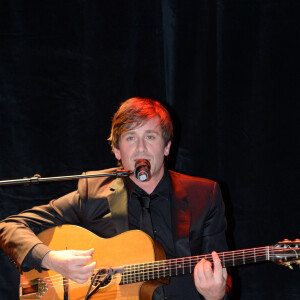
[181,266]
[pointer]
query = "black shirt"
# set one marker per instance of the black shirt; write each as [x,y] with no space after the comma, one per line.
[160,210]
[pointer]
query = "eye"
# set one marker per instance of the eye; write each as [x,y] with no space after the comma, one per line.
[150,137]
[129,138]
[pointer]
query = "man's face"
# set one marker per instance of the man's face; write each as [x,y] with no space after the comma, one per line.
[145,141]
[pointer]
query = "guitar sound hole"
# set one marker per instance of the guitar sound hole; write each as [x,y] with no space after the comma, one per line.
[99,278]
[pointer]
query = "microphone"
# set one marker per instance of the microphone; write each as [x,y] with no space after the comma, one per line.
[142,169]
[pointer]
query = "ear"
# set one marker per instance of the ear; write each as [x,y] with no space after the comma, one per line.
[117,153]
[167,149]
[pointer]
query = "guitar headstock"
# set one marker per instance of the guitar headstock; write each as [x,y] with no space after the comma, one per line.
[287,253]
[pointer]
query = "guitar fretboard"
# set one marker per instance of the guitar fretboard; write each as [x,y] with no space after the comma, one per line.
[181,266]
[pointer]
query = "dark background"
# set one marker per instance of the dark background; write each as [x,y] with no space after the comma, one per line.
[227,70]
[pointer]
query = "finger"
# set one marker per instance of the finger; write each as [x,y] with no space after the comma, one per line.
[83,252]
[83,273]
[88,269]
[224,273]
[85,269]
[198,271]
[218,269]
[203,270]
[81,260]
[207,270]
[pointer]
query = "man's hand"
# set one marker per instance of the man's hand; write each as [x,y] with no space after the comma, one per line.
[76,265]
[210,283]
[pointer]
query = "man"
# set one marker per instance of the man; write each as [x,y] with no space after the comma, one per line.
[187,214]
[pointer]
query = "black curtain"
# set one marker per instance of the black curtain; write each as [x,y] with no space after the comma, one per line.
[228,72]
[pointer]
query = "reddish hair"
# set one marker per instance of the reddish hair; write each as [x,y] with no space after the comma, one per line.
[133,112]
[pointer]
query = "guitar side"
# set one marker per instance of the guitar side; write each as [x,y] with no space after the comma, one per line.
[128,248]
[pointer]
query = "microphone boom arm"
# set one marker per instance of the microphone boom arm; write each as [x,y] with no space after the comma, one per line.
[36,179]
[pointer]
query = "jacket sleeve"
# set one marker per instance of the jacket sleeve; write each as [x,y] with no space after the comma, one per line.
[213,235]
[18,232]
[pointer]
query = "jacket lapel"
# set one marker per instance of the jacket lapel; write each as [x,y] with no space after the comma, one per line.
[118,202]
[181,212]
[181,217]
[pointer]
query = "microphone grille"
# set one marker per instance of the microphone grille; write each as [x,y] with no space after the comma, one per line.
[142,169]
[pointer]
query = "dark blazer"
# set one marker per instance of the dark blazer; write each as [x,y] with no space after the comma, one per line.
[100,205]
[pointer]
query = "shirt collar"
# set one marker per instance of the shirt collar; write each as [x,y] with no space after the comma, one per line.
[162,188]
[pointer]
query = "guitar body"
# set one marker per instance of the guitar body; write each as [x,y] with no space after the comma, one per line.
[136,263]
[131,247]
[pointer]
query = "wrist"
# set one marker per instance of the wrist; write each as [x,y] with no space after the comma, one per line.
[46,261]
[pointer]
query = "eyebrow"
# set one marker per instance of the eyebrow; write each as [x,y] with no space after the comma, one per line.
[146,131]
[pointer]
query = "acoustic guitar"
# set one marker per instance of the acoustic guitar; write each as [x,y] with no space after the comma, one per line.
[131,265]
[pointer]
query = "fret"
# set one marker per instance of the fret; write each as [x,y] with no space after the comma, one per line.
[147,272]
[128,267]
[185,265]
[151,272]
[143,271]
[164,269]
[167,269]
[272,255]
[223,261]
[131,273]
[160,270]
[134,273]
[154,271]
[128,275]
[182,266]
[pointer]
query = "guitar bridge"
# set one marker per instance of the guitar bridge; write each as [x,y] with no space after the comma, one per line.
[34,289]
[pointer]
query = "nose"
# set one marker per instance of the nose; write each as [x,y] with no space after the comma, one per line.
[141,146]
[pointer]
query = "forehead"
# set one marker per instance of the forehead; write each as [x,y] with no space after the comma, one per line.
[151,125]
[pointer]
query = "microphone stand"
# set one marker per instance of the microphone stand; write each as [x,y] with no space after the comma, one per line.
[36,179]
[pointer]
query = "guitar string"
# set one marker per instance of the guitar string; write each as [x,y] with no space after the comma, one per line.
[134,267]
[131,278]
[187,261]
[155,267]
[239,254]
[159,268]
[69,283]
